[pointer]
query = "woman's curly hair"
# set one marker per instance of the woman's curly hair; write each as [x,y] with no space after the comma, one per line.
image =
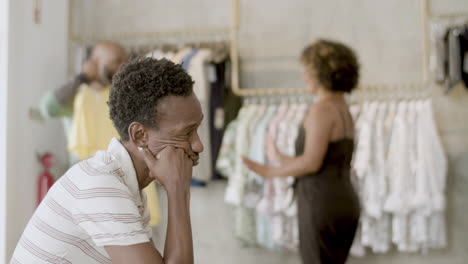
[334,65]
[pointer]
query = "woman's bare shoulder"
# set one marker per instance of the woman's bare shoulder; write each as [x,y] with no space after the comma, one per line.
[322,110]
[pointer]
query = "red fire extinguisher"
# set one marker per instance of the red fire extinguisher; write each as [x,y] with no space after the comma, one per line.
[45,179]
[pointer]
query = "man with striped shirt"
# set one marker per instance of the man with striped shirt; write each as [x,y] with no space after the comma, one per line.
[96,212]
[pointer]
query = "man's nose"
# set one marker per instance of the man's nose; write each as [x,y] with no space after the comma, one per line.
[197,145]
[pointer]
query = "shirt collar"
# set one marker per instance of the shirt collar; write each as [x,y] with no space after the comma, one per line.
[117,149]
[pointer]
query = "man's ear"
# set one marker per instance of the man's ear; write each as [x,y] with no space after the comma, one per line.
[138,134]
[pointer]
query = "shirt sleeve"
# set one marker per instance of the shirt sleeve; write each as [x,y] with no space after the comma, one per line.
[50,107]
[111,217]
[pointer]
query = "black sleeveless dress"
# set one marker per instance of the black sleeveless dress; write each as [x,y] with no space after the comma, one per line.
[328,206]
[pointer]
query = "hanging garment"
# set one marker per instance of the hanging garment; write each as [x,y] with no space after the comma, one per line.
[281,184]
[361,163]
[188,59]
[231,102]
[216,73]
[415,219]
[227,156]
[382,224]
[255,183]
[257,153]
[326,229]
[265,208]
[375,222]
[440,51]
[438,56]
[159,54]
[290,237]
[233,194]
[357,249]
[399,158]
[396,202]
[180,55]
[454,58]
[284,218]
[464,54]
[362,155]
[92,128]
[371,179]
[197,69]
[243,139]
[246,217]
[245,222]
[401,181]
[437,169]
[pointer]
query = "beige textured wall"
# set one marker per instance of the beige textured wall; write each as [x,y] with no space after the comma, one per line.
[386,34]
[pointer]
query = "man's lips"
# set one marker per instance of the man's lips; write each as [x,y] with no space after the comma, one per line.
[196,161]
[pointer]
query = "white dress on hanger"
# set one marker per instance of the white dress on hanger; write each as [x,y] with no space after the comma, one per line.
[265,208]
[233,194]
[197,69]
[380,220]
[401,156]
[291,224]
[437,177]
[281,184]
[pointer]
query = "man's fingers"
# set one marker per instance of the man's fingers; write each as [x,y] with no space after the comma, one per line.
[148,156]
[185,146]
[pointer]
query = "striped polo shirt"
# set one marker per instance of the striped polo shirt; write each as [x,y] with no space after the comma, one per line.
[96,203]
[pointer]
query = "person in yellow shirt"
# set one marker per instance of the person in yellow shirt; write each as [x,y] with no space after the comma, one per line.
[96,76]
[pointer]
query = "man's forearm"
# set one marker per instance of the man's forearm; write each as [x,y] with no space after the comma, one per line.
[179,244]
[67,92]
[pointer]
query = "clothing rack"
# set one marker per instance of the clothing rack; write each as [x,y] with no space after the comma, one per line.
[391,92]
[234,50]
[425,17]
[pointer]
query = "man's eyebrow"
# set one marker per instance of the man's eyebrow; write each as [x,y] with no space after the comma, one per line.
[192,125]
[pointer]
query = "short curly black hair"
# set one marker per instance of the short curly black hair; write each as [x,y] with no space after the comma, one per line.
[139,86]
[334,65]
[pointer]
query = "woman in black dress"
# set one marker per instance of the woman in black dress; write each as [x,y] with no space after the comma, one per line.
[328,207]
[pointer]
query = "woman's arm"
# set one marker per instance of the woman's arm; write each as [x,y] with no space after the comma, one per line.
[318,126]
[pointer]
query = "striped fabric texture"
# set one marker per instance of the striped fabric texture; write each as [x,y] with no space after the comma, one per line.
[96,203]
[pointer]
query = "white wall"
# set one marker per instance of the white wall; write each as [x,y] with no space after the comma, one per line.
[3,109]
[37,62]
